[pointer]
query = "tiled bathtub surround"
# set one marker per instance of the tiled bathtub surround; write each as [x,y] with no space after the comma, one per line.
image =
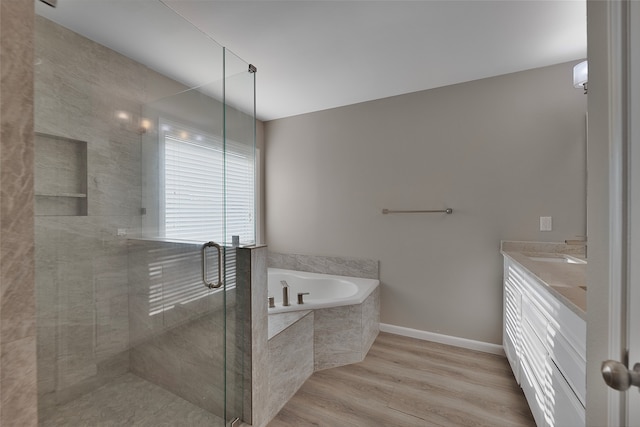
[301,342]
[253,333]
[279,322]
[343,335]
[340,266]
[290,360]
[282,353]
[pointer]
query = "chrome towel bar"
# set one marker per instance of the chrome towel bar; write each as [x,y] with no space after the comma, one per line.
[447,211]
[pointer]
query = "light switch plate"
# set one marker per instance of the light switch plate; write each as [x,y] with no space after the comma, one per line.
[545,223]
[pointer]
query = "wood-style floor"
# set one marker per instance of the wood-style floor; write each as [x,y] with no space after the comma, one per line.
[409,382]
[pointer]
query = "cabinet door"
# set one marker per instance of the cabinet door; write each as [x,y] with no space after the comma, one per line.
[565,410]
[511,334]
[569,362]
[534,363]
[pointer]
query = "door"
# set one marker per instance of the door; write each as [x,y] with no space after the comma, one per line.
[633,308]
[624,375]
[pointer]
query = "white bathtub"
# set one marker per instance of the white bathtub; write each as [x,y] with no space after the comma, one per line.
[325,290]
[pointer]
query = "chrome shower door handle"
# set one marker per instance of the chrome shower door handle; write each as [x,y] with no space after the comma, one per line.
[211,285]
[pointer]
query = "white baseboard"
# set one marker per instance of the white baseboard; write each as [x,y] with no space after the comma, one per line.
[443,339]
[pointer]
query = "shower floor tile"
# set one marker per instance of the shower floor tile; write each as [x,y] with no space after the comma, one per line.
[130,401]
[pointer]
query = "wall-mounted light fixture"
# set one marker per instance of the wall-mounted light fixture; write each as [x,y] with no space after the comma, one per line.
[580,75]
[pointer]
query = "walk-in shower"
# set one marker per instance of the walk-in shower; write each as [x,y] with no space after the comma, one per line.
[145,136]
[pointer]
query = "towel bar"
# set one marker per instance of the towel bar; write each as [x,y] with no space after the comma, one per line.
[447,211]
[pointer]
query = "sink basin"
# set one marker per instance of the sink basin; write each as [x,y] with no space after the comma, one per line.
[560,258]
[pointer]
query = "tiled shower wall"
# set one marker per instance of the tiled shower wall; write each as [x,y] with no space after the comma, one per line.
[81,262]
[17,308]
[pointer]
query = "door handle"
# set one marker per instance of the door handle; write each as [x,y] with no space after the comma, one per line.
[618,376]
[211,285]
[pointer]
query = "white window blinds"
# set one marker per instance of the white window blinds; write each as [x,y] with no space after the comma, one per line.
[196,177]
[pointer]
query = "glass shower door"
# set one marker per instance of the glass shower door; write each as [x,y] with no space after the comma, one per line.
[180,327]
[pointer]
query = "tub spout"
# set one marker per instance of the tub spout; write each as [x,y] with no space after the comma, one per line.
[285,293]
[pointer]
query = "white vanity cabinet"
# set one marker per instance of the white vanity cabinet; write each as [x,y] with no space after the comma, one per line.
[545,343]
[512,331]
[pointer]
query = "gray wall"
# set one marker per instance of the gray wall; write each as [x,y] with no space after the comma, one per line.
[501,152]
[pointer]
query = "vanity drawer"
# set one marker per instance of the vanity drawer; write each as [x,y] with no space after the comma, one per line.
[533,373]
[564,407]
[569,362]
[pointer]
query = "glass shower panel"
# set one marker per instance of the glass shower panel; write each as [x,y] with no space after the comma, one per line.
[240,201]
[130,185]
[240,162]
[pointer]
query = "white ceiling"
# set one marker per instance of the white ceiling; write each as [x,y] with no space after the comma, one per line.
[314,55]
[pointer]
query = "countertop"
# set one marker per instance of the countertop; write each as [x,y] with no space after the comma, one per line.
[567,282]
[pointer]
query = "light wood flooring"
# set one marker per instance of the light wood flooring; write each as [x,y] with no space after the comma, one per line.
[409,382]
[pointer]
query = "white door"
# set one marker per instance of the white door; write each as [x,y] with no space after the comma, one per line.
[633,307]
[627,376]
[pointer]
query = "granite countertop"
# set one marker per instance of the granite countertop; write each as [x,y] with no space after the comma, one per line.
[567,282]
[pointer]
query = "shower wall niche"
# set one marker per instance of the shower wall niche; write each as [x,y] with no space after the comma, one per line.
[60,176]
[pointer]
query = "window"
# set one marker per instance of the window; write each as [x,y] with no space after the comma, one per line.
[192,208]
[197,177]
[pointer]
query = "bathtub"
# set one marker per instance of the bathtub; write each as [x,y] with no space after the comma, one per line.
[325,290]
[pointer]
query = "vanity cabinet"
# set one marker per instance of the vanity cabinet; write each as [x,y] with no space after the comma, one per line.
[512,331]
[545,343]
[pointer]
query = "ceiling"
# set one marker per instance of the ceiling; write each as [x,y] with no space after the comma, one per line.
[315,55]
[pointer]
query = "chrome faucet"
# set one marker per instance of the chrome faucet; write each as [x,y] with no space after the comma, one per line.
[285,293]
[301,297]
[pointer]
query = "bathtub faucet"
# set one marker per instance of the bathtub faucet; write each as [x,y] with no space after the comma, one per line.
[285,293]
[301,297]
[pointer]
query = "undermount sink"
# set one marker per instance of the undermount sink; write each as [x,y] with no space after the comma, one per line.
[559,258]
[564,286]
